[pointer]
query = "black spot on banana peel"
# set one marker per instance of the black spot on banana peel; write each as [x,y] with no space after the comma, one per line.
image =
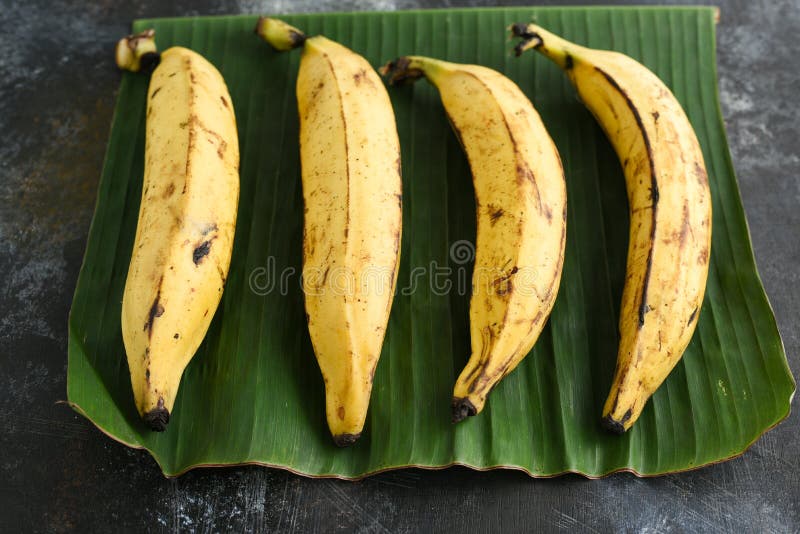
[156,310]
[201,251]
[495,212]
[361,76]
[462,408]
[168,191]
[692,316]
[345,440]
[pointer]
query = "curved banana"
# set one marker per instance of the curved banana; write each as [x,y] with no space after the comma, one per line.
[350,159]
[187,218]
[520,196]
[670,213]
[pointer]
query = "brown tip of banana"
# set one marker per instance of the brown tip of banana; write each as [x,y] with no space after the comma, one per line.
[612,425]
[157,419]
[462,408]
[345,440]
[399,72]
[529,38]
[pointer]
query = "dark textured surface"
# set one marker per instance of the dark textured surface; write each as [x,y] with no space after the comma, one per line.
[58,88]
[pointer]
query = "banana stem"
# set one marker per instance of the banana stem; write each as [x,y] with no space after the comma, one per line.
[530,39]
[408,69]
[400,72]
[138,52]
[560,51]
[280,35]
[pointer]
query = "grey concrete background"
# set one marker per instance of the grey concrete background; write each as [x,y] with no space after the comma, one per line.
[57,90]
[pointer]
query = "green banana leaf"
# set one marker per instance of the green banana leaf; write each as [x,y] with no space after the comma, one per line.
[254,394]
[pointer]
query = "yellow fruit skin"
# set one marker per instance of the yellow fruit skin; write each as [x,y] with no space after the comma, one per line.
[350,159]
[670,216]
[521,203]
[184,236]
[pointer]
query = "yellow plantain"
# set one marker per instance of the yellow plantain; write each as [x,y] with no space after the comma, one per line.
[350,159]
[670,213]
[187,216]
[520,195]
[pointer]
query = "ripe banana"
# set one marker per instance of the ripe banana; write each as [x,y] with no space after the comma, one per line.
[187,217]
[350,159]
[670,213]
[520,195]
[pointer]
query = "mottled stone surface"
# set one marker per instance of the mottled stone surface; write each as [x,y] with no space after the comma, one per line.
[59,473]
